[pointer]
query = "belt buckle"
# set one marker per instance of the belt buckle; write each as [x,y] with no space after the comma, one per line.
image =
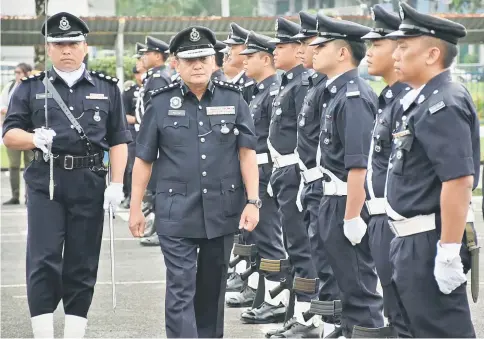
[66,166]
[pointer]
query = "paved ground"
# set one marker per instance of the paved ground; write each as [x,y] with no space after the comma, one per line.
[140,286]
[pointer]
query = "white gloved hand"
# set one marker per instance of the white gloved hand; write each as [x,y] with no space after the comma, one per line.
[448,270]
[43,137]
[113,195]
[354,230]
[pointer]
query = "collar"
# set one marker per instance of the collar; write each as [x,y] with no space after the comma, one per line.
[340,80]
[431,87]
[293,73]
[70,78]
[316,78]
[185,89]
[389,93]
[330,81]
[265,84]
[236,78]
[410,98]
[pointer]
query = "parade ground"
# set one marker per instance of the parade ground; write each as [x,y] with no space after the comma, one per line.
[140,285]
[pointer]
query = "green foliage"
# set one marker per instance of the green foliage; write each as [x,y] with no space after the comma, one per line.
[466,6]
[470,59]
[107,66]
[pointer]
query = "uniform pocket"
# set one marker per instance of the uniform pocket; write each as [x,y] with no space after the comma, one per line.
[233,196]
[403,147]
[224,127]
[175,130]
[95,114]
[327,131]
[170,200]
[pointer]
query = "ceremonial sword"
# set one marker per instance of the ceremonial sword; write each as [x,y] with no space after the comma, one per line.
[111,240]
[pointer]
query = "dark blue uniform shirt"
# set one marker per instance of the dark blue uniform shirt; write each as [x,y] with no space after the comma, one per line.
[130,96]
[389,113]
[309,119]
[94,100]
[437,141]
[346,124]
[156,77]
[200,193]
[246,84]
[285,109]
[218,75]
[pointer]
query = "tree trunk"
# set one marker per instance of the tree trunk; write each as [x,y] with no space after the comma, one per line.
[39,50]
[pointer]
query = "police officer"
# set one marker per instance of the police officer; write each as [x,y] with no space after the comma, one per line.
[380,63]
[346,123]
[85,117]
[200,190]
[307,145]
[286,177]
[130,96]
[433,168]
[267,237]
[236,43]
[218,73]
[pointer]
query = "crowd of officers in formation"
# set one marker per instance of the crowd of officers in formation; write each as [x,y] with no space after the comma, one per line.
[328,186]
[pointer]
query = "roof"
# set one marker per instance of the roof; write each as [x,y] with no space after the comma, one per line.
[25,31]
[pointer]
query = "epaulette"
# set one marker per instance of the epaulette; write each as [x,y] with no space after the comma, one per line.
[38,76]
[249,83]
[436,102]
[104,77]
[166,88]
[352,90]
[274,89]
[175,77]
[305,78]
[127,89]
[228,85]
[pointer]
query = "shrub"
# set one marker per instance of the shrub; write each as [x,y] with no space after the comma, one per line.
[107,65]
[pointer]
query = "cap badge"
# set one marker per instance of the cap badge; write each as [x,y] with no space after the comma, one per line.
[194,35]
[277,25]
[372,14]
[64,24]
[317,24]
[175,102]
[402,14]
[247,39]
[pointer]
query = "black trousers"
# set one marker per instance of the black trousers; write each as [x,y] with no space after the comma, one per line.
[428,312]
[195,285]
[64,238]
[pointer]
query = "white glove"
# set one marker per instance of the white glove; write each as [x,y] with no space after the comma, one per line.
[43,137]
[354,230]
[113,195]
[448,271]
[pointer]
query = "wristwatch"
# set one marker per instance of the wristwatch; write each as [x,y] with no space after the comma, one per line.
[257,202]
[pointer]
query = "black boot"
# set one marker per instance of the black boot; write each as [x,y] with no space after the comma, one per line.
[264,314]
[245,298]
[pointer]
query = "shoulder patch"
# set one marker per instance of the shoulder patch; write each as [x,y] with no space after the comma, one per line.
[352,90]
[436,103]
[167,88]
[274,89]
[102,76]
[305,78]
[228,85]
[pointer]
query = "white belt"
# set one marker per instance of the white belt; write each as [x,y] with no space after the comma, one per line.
[420,224]
[285,160]
[262,158]
[313,174]
[334,187]
[376,206]
[136,127]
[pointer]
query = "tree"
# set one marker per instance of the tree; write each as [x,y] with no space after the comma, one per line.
[39,50]
[466,6]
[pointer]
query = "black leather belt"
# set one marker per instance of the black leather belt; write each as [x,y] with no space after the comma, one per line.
[70,162]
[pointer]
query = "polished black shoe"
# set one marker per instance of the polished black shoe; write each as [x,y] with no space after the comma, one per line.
[234,283]
[245,298]
[12,201]
[152,240]
[282,329]
[298,330]
[149,226]
[264,314]
[338,332]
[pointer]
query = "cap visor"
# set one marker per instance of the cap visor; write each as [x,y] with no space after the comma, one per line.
[248,51]
[196,53]
[372,36]
[320,41]
[402,34]
[224,50]
[275,40]
[302,36]
[67,39]
[232,42]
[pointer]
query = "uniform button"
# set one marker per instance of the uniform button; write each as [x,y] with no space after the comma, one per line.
[222,121]
[380,110]
[202,140]
[324,105]
[175,123]
[204,156]
[204,190]
[200,107]
[233,186]
[390,165]
[72,126]
[282,87]
[252,115]
[170,190]
[253,97]
[71,108]
[436,91]
[201,123]
[204,174]
[71,91]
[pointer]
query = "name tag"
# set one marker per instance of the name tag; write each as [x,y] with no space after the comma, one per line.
[42,95]
[401,134]
[96,96]
[437,107]
[275,92]
[221,110]
[176,113]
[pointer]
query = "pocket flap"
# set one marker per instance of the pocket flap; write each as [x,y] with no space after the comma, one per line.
[172,187]
[222,119]
[405,142]
[95,105]
[382,132]
[176,122]
[231,184]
